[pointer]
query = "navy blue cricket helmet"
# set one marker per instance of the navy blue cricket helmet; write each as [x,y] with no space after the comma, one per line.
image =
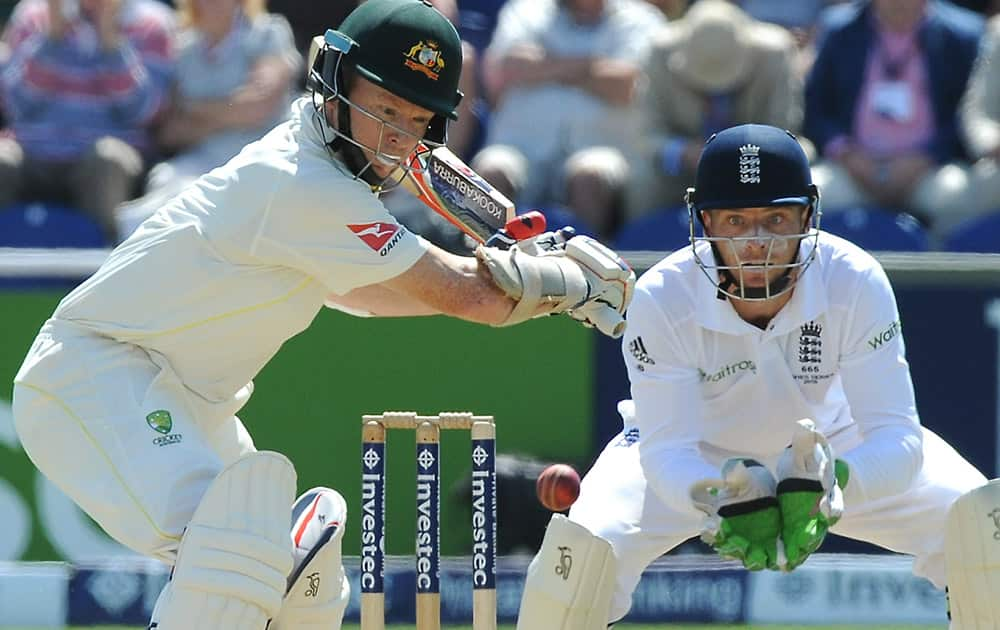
[752,166]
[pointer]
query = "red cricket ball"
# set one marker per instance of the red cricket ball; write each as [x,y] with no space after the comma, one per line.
[557,487]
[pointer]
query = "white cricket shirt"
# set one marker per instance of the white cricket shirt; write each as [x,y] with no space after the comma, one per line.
[242,260]
[707,385]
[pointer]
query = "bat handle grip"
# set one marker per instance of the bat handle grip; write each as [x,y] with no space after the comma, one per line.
[607,320]
[500,239]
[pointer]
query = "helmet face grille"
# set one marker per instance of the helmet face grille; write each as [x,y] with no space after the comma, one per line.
[731,279]
[326,83]
[753,166]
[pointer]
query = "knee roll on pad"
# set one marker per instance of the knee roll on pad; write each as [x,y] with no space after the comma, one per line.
[235,555]
[972,558]
[318,588]
[569,582]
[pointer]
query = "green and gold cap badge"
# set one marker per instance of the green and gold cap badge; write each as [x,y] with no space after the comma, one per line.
[160,421]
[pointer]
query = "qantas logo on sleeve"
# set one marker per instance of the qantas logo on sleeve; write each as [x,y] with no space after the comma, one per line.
[375,235]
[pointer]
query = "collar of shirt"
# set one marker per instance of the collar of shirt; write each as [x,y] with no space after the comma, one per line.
[312,123]
[808,301]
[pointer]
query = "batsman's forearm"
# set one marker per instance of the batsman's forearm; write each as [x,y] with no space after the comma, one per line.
[471,295]
[453,285]
[381,301]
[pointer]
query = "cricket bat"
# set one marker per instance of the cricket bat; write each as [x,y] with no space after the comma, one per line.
[449,187]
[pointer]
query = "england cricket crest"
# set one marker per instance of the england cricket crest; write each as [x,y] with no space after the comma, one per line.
[810,343]
[810,355]
[425,57]
[749,164]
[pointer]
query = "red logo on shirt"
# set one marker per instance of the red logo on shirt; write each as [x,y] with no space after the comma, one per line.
[375,235]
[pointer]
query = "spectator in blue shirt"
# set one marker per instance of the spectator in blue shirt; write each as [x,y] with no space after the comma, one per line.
[81,89]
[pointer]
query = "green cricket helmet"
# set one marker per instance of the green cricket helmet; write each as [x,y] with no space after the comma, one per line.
[404,46]
[409,48]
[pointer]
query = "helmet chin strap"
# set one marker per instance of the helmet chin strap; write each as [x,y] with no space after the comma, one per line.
[730,284]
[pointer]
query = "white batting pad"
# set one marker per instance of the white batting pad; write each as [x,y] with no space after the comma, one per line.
[235,555]
[569,582]
[972,556]
[318,588]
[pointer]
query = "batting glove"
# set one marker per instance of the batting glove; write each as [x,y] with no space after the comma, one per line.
[611,282]
[742,520]
[546,242]
[810,495]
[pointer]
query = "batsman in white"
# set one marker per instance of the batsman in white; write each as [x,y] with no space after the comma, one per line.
[127,398]
[771,401]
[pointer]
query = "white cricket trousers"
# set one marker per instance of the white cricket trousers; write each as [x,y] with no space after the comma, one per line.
[616,504]
[81,403]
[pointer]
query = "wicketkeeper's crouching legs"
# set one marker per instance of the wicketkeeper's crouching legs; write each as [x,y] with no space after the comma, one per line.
[589,564]
[236,567]
[570,581]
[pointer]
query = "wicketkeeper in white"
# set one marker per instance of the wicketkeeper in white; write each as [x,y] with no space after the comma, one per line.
[127,398]
[771,403]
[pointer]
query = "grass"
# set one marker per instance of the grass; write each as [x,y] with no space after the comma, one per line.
[666,626]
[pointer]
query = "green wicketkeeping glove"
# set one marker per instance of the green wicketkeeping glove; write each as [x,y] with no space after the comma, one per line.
[809,491]
[742,516]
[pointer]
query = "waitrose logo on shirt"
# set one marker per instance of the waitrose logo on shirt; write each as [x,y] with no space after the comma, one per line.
[886,335]
[727,371]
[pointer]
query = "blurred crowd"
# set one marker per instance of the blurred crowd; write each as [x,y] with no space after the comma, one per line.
[594,111]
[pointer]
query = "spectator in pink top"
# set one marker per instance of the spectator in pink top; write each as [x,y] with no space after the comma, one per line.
[882,102]
[83,84]
[980,117]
